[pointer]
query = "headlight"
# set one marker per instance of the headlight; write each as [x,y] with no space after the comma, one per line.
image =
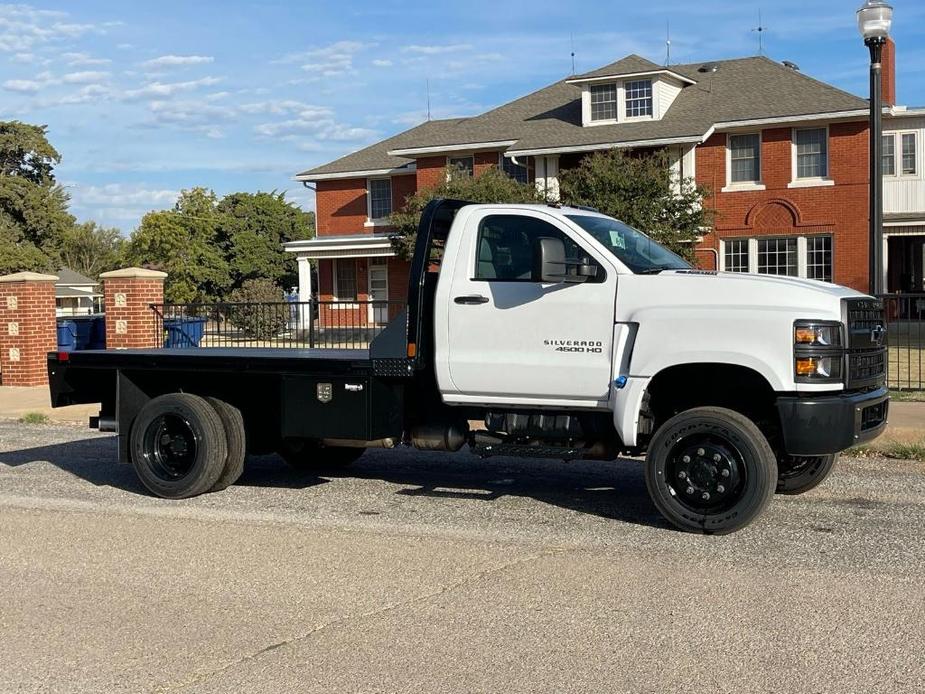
[818,353]
[812,334]
[818,368]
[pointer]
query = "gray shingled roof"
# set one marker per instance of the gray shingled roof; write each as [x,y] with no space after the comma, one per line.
[739,90]
[69,277]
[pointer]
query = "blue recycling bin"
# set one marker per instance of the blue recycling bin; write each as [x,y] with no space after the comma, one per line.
[97,333]
[67,336]
[184,332]
[82,325]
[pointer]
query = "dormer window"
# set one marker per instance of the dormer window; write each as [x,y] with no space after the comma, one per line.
[638,98]
[604,101]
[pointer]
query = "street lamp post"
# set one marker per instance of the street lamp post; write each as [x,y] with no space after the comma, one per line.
[874,20]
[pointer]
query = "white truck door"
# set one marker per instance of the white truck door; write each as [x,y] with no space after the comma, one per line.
[512,340]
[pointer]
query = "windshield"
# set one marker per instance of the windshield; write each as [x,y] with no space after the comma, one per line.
[637,251]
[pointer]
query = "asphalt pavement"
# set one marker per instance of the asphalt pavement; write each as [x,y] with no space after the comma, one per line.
[416,572]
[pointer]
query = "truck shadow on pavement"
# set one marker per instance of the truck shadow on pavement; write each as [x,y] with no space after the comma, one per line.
[614,490]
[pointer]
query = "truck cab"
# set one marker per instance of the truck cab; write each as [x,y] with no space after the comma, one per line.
[535,331]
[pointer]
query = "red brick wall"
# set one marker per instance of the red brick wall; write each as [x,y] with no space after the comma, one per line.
[888,73]
[430,171]
[130,322]
[840,209]
[402,187]
[340,207]
[27,331]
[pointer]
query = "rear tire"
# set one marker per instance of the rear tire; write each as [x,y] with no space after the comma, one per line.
[306,455]
[710,470]
[233,424]
[178,446]
[799,474]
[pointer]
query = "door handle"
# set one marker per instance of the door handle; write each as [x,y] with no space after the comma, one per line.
[471,299]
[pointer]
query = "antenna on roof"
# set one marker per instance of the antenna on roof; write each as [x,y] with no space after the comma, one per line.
[427,86]
[667,42]
[571,38]
[760,29]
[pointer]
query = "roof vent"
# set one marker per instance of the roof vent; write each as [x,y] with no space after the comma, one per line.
[708,67]
[793,66]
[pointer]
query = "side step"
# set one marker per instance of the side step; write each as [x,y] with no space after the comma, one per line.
[488,446]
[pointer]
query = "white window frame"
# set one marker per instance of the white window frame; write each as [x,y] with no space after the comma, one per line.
[617,88]
[653,96]
[802,251]
[815,181]
[896,169]
[900,134]
[370,220]
[731,187]
[335,262]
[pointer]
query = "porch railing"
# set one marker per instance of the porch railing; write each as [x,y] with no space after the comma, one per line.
[299,325]
[905,339]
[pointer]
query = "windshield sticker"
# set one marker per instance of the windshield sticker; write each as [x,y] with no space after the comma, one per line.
[617,240]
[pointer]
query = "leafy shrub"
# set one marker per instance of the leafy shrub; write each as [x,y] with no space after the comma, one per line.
[258,309]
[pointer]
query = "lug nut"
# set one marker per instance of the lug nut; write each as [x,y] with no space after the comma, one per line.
[706,496]
[724,473]
[720,489]
[716,457]
[686,459]
[700,451]
[690,490]
[682,475]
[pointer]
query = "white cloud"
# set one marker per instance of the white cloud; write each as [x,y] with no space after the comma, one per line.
[178,60]
[382,63]
[333,60]
[84,59]
[22,58]
[156,90]
[194,116]
[436,50]
[23,86]
[321,128]
[286,106]
[85,77]
[119,203]
[84,95]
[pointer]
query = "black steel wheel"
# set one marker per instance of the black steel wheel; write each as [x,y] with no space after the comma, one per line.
[178,446]
[799,474]
[710,470]
[233,424]
[307,455]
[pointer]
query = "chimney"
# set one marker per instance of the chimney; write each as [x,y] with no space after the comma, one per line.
[888,73]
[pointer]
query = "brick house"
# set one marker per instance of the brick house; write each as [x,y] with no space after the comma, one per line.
[785,156]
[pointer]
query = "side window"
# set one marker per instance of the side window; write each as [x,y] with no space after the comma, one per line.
[504,248]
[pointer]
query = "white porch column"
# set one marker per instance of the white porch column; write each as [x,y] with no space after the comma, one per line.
[546,175]
[305,292]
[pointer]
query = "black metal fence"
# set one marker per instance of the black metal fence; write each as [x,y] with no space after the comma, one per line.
[300,325]
[905,338]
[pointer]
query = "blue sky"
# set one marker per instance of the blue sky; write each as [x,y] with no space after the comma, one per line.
[144,99]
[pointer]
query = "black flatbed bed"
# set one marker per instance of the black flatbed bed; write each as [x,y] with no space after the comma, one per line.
[278,360]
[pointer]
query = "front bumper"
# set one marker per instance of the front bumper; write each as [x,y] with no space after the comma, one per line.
[831,423]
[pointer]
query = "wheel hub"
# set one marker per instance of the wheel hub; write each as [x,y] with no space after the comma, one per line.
[170,446]
[704,473]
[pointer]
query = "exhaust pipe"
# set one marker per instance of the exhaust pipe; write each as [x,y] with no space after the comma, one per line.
[437,437]
[359,443]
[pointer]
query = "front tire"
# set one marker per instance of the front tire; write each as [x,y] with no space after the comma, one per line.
[710,470]
[799,474]
[178,446]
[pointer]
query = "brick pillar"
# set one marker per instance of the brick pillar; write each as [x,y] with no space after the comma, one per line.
[28,330]
[127,296]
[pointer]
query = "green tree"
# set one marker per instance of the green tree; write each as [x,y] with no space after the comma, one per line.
[252,229]
[252,315]
[183,243]
[491,186]
[640,191]
[91,249]
[33,208]
[26,153]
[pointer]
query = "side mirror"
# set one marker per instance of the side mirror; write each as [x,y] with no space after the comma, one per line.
[549,261]
[550,265]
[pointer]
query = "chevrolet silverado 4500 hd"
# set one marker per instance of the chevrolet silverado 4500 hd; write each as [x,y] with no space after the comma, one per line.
[567,333]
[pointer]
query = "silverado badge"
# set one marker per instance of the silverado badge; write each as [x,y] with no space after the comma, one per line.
[325,392]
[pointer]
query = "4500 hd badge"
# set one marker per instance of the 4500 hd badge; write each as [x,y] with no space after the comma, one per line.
[577,346]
